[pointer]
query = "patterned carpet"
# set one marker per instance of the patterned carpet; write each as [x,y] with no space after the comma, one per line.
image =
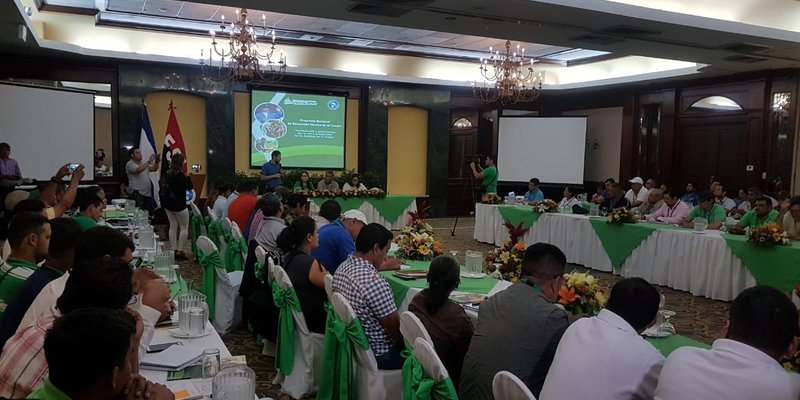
[696,317]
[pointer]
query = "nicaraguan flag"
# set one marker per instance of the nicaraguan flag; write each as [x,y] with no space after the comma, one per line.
[147,145]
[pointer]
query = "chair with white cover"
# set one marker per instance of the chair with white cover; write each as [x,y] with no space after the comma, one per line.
[425,377]
[214,227]
[371,382]
[220,287]
[298,368]
[212,214]
[507,386]
[236,251]
[411,328]
[328,282]
[262,272]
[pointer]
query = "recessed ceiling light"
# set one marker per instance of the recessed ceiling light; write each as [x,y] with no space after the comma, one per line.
[163,10]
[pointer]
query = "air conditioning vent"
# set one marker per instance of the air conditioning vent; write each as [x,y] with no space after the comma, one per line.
[744,59]
[597,39]
[748,48]
[628,30]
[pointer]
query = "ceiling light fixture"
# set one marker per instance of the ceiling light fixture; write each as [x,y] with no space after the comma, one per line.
[508,78]
[242,61]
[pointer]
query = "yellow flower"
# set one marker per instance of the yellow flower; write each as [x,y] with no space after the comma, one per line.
[616,216]
[423,250]
[601,298]
[610,218]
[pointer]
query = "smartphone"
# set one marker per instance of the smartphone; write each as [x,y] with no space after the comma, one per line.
[72,167]
[157,348]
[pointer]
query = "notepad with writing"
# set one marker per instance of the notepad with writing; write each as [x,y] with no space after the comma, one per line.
[172,359]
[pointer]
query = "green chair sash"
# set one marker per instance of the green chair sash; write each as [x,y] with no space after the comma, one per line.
[214,231]
[337,375]
[198,223]
[418,386]
[259,271]
[234,260]
[286,300]
[210,263]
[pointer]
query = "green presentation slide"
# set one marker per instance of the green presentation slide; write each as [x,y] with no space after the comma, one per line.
[307,129]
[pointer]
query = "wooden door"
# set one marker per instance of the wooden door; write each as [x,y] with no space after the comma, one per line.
[713,150]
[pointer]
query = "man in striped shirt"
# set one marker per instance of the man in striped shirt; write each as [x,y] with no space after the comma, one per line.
[29,237]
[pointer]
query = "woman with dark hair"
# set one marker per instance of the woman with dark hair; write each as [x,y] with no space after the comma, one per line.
[446,322]
[305,272]
[173,199]
[305,182]
[354,184]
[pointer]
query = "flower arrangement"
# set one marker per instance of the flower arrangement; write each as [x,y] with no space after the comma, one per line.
[491,198]
[581,294]
[768,235]
[509,257]
[620,216]
[416,241]
[544,206]
[369,193]
[792,363]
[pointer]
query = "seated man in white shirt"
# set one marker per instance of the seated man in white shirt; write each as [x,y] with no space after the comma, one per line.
[615,363]
[744,365]
[221,203]
[722,198]
[638,194]
[674,210]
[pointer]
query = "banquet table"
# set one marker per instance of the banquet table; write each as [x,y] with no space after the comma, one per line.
[390,211]
[709,263]
[404,291]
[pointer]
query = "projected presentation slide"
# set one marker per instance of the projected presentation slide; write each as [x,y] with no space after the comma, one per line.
[308,129]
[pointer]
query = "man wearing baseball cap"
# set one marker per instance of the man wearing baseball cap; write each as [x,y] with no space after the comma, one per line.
[337,239]
[638,194]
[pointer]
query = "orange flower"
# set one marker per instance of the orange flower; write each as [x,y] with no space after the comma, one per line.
[566,296]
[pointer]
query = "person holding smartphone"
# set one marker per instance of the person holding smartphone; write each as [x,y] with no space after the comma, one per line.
[139,185]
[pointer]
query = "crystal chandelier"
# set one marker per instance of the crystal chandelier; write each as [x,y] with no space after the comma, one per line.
[242,61]
[508,78]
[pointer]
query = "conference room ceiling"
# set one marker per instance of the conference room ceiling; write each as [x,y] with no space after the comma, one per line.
[561,32]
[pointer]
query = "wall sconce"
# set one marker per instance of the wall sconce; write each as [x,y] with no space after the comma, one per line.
[196,168]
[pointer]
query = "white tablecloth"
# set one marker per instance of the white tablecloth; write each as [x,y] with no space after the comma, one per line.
[701,264]
[374,216]
[195,386]
[489,225]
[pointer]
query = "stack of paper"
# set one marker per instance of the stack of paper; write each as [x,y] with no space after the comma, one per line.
[173,358]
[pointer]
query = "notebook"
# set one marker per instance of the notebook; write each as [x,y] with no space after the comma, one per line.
[172,359]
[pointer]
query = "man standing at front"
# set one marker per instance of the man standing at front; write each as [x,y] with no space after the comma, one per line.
[9,169]
[271,171]
[488,175]
[519,328]
[139,184]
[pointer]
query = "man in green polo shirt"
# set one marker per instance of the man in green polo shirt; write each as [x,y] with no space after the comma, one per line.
[761,214]
[708,210]
[90,355]
[91,209]
[488,175]
[29,238]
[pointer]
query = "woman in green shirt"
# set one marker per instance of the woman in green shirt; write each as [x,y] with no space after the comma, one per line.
[304,183]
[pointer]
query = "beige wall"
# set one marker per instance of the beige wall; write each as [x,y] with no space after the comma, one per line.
[407,157]
[190,110]
[102,134]
[241,123]
[605,125]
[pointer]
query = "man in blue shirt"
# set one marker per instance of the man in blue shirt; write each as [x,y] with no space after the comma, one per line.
[337,240]
[533,193]
[271,171]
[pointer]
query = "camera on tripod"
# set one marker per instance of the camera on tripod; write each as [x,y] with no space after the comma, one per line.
[473,158]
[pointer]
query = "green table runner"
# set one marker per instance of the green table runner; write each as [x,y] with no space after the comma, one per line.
[390,207]
[115,214]
[516,215]
[400,286]
[178,286]
[620,240]
[777,266]
[671,343]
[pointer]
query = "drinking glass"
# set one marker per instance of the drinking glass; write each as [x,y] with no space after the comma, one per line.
[235,383]
[664,326]
[211,367]
[454,253]
[474,261]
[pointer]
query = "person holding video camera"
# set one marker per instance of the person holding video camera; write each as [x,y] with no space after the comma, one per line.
[488,175]
[139,185]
